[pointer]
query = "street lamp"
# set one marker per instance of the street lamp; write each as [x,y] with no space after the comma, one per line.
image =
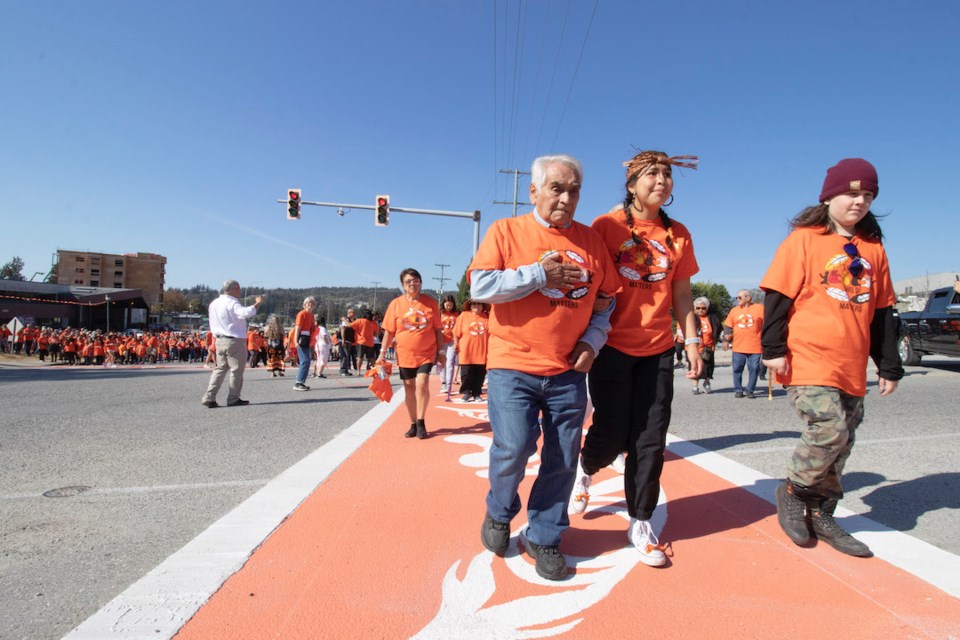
[107,297]
[375,285]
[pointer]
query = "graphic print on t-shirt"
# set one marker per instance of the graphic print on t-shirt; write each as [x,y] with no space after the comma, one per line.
[586,276]
[842,285]
[414,319]
[642,258]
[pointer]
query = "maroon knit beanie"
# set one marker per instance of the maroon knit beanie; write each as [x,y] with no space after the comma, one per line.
[850,174]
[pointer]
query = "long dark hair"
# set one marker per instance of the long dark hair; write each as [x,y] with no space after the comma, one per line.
[819,216]
[449,298]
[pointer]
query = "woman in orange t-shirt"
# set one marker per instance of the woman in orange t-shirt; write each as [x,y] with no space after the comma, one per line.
[414,319]
[304,327]
[828,306]
[631,381]
[470,337]
[448,318]
[709,330]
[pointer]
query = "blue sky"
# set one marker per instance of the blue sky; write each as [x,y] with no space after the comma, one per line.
[173,127]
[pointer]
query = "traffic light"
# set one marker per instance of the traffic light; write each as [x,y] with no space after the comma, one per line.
[383,211]
[293,204]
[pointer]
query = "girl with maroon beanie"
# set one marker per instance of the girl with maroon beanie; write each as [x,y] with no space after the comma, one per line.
[828,306]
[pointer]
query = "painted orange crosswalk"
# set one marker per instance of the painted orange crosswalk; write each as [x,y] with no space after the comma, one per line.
[388,547]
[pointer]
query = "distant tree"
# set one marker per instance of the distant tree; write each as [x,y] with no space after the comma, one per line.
[720,300]
[463,291]
[13,270]
[174,301]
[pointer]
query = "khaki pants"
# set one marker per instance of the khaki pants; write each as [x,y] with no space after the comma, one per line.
[232,358]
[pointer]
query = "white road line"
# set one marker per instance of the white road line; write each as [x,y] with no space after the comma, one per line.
[160,603]
[921,559]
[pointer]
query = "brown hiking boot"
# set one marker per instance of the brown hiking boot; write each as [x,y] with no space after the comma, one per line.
[827,530]
[792,513]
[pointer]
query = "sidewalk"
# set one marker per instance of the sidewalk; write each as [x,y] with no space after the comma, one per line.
[388,546]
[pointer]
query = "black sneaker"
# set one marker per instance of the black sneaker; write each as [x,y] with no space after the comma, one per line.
[550,562]
[738,394]
[792,514]
[210,404]
[421,430]
[495,535]
[238,403]
[828,530]
[750,395]
[300,387]
[412,431]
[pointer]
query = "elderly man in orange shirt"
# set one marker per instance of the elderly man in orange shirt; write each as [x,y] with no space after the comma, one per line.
[742,327]
[551,281]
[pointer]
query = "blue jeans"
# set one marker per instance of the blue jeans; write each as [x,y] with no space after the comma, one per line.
[516,402]
[304,356]
[752,362]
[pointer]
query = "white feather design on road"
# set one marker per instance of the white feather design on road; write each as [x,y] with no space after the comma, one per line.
[462,612]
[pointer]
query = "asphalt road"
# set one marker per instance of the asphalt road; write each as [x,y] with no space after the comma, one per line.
[159,469]
[155,468]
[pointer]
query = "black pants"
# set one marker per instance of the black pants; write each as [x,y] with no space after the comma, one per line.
[631,412]
[471,378]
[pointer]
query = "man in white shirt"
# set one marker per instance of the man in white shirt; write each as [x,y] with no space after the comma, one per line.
[228,323]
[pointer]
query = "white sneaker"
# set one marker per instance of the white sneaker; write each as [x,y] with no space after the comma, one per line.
[581,492]
[443,388]
[642,537]
[620,464]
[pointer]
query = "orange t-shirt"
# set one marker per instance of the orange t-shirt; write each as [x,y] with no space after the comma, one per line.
[415,324]
[364,331]
[747,324]
[447,320]
[828,339]
[707,339]
[305,322]
[641,323]
[471,333]
[537,333]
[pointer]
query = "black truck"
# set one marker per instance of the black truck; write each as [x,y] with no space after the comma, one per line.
[933,331]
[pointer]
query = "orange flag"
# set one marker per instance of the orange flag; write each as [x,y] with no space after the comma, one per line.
[380,383]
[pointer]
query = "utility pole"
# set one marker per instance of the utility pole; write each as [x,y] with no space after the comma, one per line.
[375,285]
[516,186]
[441,278]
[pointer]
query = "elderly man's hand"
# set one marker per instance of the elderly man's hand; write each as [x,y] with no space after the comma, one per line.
[582,357]
[561,275]
[601,303]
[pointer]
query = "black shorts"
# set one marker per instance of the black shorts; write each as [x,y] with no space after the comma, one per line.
[409,373]
[366,353]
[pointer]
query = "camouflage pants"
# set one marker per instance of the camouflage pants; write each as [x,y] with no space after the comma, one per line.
[832,418]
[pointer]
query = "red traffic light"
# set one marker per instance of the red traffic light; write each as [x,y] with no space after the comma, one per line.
[294,195]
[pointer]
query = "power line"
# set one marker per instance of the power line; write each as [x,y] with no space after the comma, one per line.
[583,47]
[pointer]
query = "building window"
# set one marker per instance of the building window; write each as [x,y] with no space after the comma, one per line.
[94,272]
[118,274]
[79,269]
[118,263]
[94,260]
[118,285]
[78,282]
[94,283]
[81,259]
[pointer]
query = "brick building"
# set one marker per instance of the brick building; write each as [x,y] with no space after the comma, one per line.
[144,271]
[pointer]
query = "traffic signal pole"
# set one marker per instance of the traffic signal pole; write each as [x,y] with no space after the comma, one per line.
[475,215]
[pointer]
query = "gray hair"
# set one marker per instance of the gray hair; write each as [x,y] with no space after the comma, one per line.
[229,284]
[309,299]
[704,300]
[538,172]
